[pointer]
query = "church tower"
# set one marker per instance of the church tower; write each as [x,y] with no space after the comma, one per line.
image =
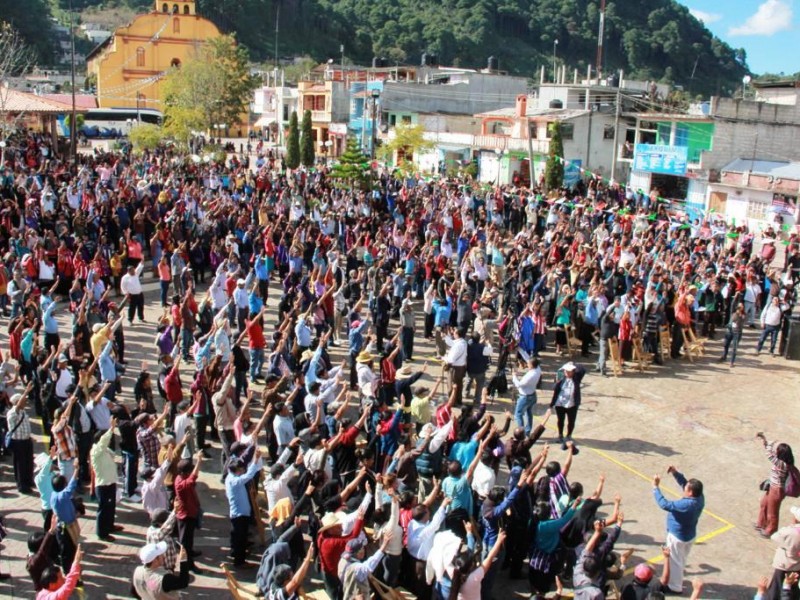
[184,7]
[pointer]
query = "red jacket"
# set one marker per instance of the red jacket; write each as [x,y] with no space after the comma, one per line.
[331,548]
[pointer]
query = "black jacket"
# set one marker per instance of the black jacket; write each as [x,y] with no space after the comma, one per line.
[577,377]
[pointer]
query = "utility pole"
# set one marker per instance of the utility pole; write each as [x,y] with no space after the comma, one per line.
[616,130]
[277,23]
[73,125]
[600,36]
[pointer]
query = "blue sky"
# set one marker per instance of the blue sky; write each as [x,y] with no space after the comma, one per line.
[766,29]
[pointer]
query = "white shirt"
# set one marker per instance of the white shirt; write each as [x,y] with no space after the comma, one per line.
[420,535]
[566,399]
[130,284]
[483,479]
[365,379]
[278,489]
[65,379]
[183,423]
[527,385]
[457,354]
[101,415]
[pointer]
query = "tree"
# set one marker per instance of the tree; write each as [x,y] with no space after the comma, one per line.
[145,136]
[408,142]
[293,143]
[213,88]
[306,141]
[15,58]
[353,165]
[554,169]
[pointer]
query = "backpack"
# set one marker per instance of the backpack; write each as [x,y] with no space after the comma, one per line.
[792,486]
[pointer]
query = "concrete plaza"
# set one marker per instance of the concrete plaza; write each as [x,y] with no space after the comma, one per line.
[701,417]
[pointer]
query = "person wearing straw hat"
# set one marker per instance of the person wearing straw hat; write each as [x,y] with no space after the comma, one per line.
[367,379]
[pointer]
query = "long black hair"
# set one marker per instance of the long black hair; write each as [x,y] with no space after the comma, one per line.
[784,453]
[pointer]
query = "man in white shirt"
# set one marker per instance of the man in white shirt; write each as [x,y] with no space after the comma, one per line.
[276,485]
[421,531]
[132,288]
[771,318]
[752,293]
[456,361]
[526,395]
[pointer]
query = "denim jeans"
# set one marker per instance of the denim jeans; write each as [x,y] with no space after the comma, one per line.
[523,409]
[256,362]
[188,340]
[131,471]
[770,331]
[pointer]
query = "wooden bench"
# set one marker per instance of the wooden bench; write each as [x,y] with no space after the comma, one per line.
[573,342]
[642,358]
[616,359]
[693,348]
[388,593]
[239,591]
[666,342]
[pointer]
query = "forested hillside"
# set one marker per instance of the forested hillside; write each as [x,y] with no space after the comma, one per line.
[649,39]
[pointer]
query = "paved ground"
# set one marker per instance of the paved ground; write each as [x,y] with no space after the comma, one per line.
[701,417]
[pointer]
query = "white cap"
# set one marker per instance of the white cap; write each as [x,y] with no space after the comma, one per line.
[151,552]
[570,366]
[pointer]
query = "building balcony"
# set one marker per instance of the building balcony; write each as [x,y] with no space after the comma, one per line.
[320,116]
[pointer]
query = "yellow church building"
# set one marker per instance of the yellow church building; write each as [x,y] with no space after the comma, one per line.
[130,65]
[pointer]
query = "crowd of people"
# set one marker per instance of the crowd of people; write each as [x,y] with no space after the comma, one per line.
[314,406]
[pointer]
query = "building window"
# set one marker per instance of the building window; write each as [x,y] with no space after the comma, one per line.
[533,131]
[165,8]
[285,112]
[186,9]
[405,119]
[176,63]
[548,129]
[176,25]
[140,57]
[175,9]
[392,120]
[567,131]
[608,132]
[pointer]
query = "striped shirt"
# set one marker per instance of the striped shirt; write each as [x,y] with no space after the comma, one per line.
[779,471]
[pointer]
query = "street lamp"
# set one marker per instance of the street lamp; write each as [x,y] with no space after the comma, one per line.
[138,114]
[555,45]
[375,95]
[499,154]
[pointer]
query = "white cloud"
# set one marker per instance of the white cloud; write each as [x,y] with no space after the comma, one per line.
[771,17]
[705,17]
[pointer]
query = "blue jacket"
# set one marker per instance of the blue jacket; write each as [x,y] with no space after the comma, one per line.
[683,513]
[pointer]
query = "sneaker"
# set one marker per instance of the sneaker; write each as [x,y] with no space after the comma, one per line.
[135,498]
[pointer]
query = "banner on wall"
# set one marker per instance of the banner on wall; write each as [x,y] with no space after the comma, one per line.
[655,158]
[783,204]
[572,173]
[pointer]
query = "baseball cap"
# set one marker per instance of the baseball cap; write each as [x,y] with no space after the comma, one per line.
[643,572]
[151,552]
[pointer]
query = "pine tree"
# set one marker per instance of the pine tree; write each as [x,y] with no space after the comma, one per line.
[554,170]
[306,141]
[293,143]
[353,164]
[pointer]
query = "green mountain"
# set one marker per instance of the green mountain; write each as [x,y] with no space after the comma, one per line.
[649,39]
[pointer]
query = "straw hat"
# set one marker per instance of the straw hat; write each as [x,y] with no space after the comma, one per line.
[364,357]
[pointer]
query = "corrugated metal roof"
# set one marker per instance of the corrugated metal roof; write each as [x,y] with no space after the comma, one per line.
[82,101]
[784,170]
